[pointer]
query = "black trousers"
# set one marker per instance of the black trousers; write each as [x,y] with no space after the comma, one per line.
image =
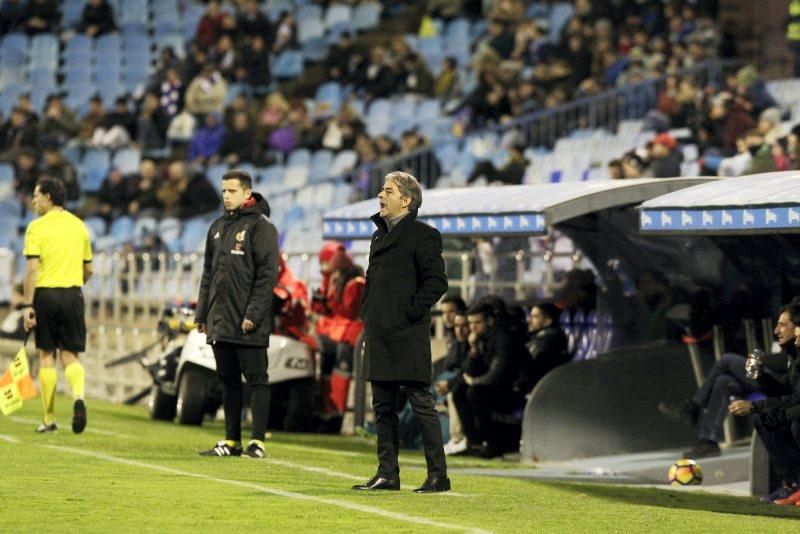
[725,379]
[782,440]
[233,361]
[386,404]
[475,405]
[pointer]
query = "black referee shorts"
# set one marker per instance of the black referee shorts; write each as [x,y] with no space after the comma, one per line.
[60,320]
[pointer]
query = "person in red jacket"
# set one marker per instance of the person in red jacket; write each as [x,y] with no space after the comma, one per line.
[291,306]
[337,305]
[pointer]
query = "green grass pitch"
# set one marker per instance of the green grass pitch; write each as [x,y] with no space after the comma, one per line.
[127,473]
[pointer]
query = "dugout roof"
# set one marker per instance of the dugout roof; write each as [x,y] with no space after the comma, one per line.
[755,204]
[507,210]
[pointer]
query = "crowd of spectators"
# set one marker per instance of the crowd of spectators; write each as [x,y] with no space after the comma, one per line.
[519,63]
[737,129]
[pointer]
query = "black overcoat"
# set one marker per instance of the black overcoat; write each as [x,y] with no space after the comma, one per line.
[405,278]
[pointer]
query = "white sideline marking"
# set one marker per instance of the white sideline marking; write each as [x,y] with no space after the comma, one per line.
[9,439]
[348,476]
[353,454]
[32,421]
[266,489]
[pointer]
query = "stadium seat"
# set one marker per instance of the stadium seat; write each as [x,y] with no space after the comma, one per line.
[344,162]
[300,156]
[144,226]
[320,165]
[96,226]
[367,15]
[194,235]
[121,228]
[44,52]
[71,13]
[295,177]
[272,175]
[169,231]
[309,28]
[289,64]
[337,13]
[127,160]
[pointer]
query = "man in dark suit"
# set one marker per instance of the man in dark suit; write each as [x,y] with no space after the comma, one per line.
[404,279]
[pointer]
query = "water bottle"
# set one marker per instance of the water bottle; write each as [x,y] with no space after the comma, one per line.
[754,365]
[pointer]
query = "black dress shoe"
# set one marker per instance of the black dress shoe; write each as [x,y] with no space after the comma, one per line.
[434,485]
[379,483]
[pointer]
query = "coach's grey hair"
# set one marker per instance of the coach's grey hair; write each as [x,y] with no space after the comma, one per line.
[408,186]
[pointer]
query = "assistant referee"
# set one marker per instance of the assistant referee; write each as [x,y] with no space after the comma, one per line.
[59,261]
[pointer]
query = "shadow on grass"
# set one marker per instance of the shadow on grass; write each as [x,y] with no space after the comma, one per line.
[688,500]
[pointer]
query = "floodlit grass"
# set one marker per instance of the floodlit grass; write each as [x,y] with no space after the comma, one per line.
[127,473]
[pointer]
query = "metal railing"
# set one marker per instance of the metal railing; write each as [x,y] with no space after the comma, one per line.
[543,128]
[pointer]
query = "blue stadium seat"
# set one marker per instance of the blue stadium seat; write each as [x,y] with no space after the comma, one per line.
[121,228]
[44,52]
[144,226]
[127,160]
[78,48]
[367,15]
[309,28]
[192,13]
[14,48]
[337,13]
[194,235]
[215,172]
[343,162]
[272,174]
[300,156]
[133,13]
[96,226]
[320,165]
[172,40]
[274,8]
[315,49]
[289,64]
[169,230]
[108,42]
[72,13]
[309,11]
[330,92]
[338,29]
[78,96]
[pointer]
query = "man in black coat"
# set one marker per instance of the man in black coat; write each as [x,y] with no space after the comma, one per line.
[235,304]
[547,346]
[489,373]
[405,278]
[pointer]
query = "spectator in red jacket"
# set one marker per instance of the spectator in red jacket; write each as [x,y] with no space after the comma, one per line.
[337,305]
[290,300]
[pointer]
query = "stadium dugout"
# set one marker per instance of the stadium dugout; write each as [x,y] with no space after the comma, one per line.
[604,401]
[755,222]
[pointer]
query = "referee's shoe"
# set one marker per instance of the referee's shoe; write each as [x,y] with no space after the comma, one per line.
[78,416]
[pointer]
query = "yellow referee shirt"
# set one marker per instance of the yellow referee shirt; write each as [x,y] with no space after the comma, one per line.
[61,242]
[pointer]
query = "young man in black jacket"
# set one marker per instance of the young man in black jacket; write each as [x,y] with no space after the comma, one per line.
[235,304]
[489,373]
[547,346]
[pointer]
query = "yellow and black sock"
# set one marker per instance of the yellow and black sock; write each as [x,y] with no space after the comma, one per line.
[75,378]
[233,444]
[48,380]
[257,442]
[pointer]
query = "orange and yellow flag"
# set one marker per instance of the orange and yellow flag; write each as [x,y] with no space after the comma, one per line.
[16,384]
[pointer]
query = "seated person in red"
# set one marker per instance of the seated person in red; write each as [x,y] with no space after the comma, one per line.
[291,306]
[337,304]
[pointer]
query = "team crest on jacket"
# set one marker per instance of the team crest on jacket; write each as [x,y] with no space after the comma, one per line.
[240,235]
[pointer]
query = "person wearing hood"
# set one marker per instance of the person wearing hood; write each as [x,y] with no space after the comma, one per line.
[337,305]
[234,308]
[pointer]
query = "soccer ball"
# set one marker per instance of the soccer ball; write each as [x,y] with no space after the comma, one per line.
[685,472]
